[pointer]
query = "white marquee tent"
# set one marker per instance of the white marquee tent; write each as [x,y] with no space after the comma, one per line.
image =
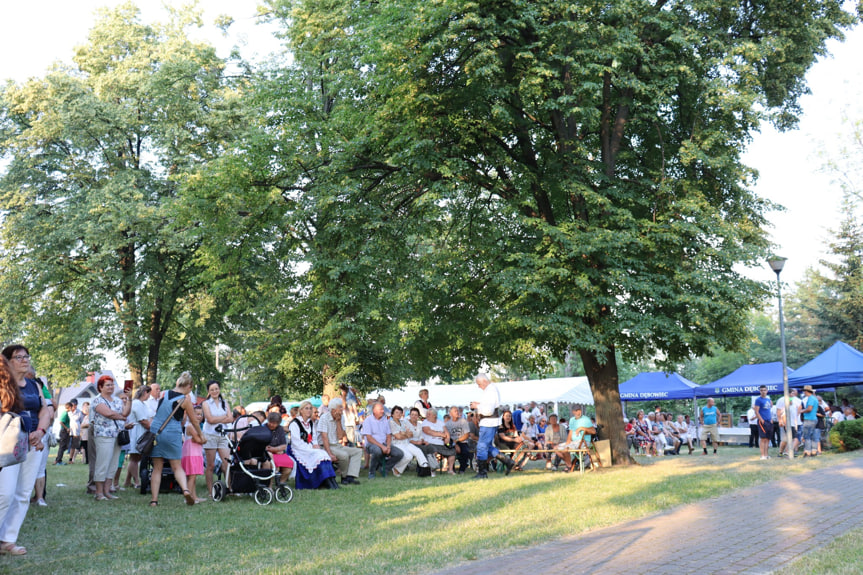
[557,390]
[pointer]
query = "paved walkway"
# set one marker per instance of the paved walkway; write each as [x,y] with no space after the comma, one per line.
[752,531]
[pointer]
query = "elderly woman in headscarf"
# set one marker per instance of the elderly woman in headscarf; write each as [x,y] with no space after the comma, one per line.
[314,466]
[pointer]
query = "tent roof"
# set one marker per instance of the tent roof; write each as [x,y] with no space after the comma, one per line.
[657,385]
[746,379]
[562,390]
[840,364]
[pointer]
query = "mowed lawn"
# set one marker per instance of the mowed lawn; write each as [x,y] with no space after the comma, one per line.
[390,525]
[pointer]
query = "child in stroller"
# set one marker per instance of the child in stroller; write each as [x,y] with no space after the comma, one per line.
[251,468]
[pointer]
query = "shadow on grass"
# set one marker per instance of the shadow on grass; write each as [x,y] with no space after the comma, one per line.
[411,524]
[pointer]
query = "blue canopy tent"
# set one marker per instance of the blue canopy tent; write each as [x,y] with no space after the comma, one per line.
[838,365]
[657,385]
[745,380]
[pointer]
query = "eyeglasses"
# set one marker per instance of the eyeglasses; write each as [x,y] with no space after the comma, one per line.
[21,357]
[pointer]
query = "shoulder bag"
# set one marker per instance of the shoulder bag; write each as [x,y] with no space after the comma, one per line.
[14,441]
[147,441]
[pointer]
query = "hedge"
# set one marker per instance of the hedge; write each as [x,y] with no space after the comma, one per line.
[847,435]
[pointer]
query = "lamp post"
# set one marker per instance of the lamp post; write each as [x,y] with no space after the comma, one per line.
[776,264]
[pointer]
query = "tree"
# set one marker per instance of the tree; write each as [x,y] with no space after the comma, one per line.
[839,302]
[97,253]
[577,163]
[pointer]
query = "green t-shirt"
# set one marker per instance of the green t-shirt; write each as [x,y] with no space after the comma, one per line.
[64,420]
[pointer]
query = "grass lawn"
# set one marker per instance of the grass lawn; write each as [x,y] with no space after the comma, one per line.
[384,525]
[843,556]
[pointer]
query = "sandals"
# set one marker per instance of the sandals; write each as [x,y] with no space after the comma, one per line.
[111,496]
[188,497]
[12,549]
[154,503]
[100,498]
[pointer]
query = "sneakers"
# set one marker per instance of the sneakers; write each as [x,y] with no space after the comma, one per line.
[41,502]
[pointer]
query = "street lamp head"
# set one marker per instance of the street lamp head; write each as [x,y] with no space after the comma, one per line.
[776,264]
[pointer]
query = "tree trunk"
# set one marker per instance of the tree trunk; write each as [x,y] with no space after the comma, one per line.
[606,397]
[155,346]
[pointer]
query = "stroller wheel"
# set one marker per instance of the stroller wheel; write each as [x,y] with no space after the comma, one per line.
[263,496]
[219,490]
[284,494]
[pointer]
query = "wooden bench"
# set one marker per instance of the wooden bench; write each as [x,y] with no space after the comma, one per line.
[579,452]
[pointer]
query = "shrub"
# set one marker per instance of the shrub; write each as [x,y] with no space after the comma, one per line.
[847,435]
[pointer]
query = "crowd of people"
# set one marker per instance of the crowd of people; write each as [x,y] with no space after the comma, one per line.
[660,433]
[331,445]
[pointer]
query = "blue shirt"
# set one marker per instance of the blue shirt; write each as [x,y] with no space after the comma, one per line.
[709,415]
[583,421]
[812,415]
[32,399]
[763,405]
[516,418]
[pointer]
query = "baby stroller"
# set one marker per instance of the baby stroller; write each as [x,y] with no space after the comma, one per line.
[169,483]
[245,472]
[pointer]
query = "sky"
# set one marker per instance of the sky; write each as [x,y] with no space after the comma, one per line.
[790,164]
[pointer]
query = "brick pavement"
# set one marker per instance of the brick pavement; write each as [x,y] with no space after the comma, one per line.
[752,531]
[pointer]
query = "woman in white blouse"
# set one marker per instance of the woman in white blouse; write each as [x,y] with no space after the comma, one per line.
[402,436]
[216,412]
[140,416]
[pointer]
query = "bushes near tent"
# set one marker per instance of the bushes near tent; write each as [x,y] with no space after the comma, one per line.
[847,435]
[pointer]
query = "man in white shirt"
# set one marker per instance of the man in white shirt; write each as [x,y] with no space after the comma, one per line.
[752,419]
[795,404]
[489,419]
[152,402]
[333,439]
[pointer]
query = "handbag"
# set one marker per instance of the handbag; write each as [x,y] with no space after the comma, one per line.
[147,441]
[52,438]
[14,441]
[123,438]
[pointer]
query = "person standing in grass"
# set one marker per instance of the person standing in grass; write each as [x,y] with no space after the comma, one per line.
[488,411]
[109,417]
[74,430]
[217,412]
[65,435]
[140,417]
[192,459]
[709,418]
[763,412]
[809,411]
[17,481]
[170,443]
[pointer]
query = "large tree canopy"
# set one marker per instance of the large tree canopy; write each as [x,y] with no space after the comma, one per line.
[537,176]
[98,153]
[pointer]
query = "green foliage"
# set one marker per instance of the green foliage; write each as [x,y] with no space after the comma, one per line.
[847,435]
[507,182]
[840,299]
[97,252]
